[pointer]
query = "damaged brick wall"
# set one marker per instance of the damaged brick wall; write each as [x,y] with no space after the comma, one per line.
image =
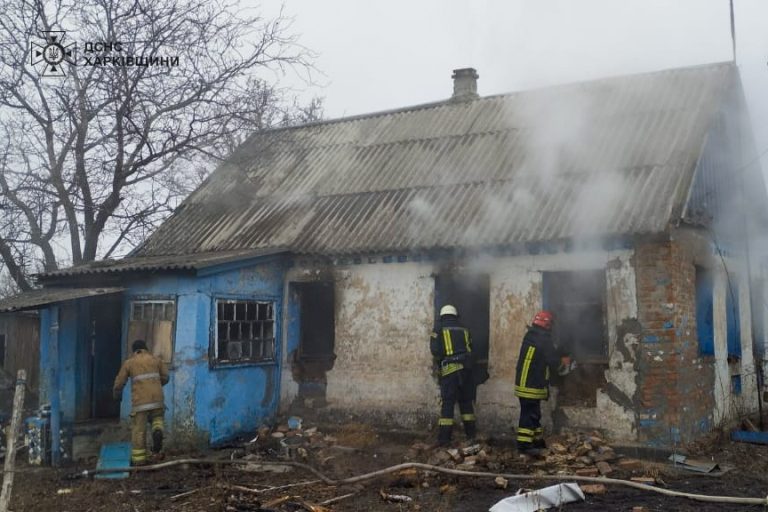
[676,399]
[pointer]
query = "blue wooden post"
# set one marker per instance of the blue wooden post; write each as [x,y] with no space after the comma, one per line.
[54,387]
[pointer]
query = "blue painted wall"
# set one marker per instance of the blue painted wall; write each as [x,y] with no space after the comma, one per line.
[204,403]
[293,320]
[704,311]
[67,380]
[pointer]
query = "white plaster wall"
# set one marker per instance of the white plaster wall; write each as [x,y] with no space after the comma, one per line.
[383,321]
[722,372]
[289,388]
[621,302]
[384,314]
[515,298]
[730,407]
[746,403]
[516,295]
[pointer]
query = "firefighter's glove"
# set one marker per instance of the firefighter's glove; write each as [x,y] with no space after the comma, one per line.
[567,365]
[436,371]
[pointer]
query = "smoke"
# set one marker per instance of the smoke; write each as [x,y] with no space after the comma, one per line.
[567,180]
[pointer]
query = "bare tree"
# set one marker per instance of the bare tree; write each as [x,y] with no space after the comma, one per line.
[158,89]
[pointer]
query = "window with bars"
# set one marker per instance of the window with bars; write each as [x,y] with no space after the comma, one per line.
[153,321]
[245,332]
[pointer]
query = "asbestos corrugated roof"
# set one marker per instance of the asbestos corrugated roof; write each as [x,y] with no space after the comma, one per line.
[611,156]
[196,261]
[36,298]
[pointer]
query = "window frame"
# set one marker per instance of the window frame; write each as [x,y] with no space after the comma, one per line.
[151,300]
[173,299]
[213,342]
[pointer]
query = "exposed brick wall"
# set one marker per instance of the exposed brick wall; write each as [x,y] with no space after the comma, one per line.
[675,392]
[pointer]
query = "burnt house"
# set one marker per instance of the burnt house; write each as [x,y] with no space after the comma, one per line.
[309,267]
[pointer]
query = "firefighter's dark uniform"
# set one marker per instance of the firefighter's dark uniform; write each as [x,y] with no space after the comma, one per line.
[451,346]
[537,360]
[148,374]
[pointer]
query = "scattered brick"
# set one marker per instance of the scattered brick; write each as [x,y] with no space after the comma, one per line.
[593,489]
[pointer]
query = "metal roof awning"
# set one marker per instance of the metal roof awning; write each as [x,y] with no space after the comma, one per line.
[174,262]
[36,298]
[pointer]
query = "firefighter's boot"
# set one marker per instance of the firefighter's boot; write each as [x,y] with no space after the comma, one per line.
[157,441]
[444,433]
[470,426]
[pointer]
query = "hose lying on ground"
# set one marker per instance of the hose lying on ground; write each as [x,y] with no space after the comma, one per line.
[438,469]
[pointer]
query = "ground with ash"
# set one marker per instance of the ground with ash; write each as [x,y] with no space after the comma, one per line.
[255,483]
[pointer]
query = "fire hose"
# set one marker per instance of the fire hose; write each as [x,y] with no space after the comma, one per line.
[437,469]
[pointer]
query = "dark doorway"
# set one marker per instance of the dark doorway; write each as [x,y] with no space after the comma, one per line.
[105,357]
[317,330]
[470,293]
[577,300]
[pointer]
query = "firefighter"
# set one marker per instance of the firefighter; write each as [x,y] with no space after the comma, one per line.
[536,362]
[148,374]
[451,347]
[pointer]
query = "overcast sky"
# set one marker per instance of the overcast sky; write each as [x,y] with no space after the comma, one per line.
[378,55]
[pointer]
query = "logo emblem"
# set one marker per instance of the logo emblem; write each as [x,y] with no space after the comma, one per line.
[53,54]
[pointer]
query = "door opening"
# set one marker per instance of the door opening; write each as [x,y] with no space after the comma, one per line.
[317,329]
[105,356]
[470,293]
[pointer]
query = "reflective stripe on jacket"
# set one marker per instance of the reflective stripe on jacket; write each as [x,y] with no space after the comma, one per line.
[451,346]
[533,365]
[148,375]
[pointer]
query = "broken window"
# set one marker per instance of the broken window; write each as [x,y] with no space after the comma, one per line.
[577,300]
[245,332]
[153,321]
[470,293]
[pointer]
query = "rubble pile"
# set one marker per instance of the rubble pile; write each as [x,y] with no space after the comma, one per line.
[291,440]
[586,454]
[578,453]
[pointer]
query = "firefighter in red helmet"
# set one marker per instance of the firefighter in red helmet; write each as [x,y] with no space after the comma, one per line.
[536,362]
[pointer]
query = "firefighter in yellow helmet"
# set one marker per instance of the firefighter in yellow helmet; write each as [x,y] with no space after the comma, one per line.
[148,375]
[451,347]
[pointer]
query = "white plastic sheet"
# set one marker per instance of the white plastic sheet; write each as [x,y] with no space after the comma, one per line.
[540,499]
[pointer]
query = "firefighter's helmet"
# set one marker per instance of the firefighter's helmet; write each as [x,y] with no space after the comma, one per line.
[448,310]
[543,319]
